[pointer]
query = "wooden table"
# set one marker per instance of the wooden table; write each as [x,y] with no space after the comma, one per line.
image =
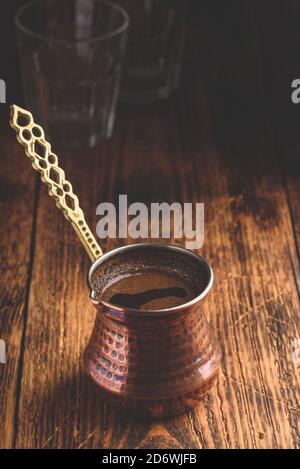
[212,143]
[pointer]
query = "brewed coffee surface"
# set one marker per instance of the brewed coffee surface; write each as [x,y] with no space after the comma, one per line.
[150,291]
[149,278]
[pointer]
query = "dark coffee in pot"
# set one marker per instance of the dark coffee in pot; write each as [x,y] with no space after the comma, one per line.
[150,290]
[149,280]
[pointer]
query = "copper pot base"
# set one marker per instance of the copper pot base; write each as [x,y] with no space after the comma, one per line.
[156,409]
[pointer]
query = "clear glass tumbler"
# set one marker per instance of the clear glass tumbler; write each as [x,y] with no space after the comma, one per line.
[71,54]
[154,49]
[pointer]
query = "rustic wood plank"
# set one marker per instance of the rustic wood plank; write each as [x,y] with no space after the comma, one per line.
[281,66]
[260,290]
[58,406]
[290,147]
[17,204]
[253,309]
[60,318]
[190,149]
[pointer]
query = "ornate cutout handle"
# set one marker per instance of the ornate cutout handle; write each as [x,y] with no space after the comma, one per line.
[32,137]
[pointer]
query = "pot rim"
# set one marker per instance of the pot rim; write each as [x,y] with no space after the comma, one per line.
[154,246]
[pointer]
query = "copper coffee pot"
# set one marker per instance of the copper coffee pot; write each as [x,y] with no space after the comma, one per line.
[156,363]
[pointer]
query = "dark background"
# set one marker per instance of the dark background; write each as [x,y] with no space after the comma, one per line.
[220,35]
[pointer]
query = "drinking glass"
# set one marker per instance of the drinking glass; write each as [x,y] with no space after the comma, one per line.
[154,49]
[71,55]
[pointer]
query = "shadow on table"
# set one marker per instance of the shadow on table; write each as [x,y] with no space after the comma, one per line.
[77,417]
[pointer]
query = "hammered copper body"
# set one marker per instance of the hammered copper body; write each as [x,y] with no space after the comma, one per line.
[156,364]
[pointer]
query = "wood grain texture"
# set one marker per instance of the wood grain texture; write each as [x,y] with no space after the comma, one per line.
[215,143]
[17,206]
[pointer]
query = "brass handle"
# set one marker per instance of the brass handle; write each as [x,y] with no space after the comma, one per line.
[32,137]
